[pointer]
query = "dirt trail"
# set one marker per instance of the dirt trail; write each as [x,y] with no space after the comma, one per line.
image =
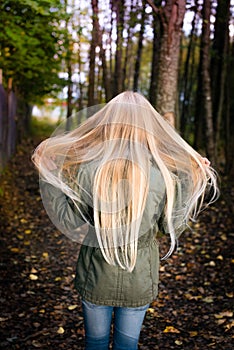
[39,307]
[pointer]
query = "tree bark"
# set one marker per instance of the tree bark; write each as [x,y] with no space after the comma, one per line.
[157,32]
[11,115]
[69,92]
[229,120]
[206,85]
[118,73]
[187,76]
[172,20]
[3,125]
[128,56]
[92,55]
[219,66]
[106,75]
[139,49]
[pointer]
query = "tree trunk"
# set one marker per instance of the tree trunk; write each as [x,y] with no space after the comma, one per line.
[172,20]
[80,84]
[106,75]
[187,76]
[229,120]
[206,85]
[110,34]
[92,55]
[219,65]
[118,74]
[69,93]
[3,125]
[157,31]
[139,49]
[128,56]
[11,115]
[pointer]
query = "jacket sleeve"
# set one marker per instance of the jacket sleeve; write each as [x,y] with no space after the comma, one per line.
[68,217]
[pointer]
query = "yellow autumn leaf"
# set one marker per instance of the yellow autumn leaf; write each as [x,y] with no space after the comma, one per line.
[230,295]
[171,329]
[221,321]
[192,297]
[23,221]
[229,326]
[178,342]
[224,314]
[15,250]
[45,255]
[208,300]
[60,330]
[27,232]
[72,307]
[151,310]
[193,333]
[33,277]
[33,270]
[224,237]
[219,257]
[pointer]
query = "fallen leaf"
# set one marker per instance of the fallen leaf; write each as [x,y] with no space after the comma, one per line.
[57,279]
[36,344]
[72,307]
[178,342]
[33,277]
[171,329]
[229,326]
[221,321]
[33,270]
[60,330]
[208,300]
[219,257]
[45,255]
[193,333]
[224,314]
[15,250]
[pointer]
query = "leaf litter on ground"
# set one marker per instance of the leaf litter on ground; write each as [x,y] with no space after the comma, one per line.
[41,309]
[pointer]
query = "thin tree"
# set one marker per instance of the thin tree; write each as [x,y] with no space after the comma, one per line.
[172,16]
[106,78]
[119,6]
[229,110]
[219,66]
[187,78]
[157,34]
[206,81]
[92,54]
[139,47]
[128,56]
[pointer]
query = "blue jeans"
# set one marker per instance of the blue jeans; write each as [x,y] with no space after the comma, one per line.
[127,326]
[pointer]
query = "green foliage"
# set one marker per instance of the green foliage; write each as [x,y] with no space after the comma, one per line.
[32,45]
[42,127]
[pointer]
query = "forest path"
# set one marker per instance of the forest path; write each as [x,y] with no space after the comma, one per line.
[40,307]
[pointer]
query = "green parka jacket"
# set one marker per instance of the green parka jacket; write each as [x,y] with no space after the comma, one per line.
[96,280]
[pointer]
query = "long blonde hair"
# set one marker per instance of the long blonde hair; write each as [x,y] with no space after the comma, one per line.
[123,139]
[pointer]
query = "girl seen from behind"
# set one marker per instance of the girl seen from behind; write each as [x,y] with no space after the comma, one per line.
[112,184]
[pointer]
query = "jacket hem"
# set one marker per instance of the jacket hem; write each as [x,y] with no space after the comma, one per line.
[115,303]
